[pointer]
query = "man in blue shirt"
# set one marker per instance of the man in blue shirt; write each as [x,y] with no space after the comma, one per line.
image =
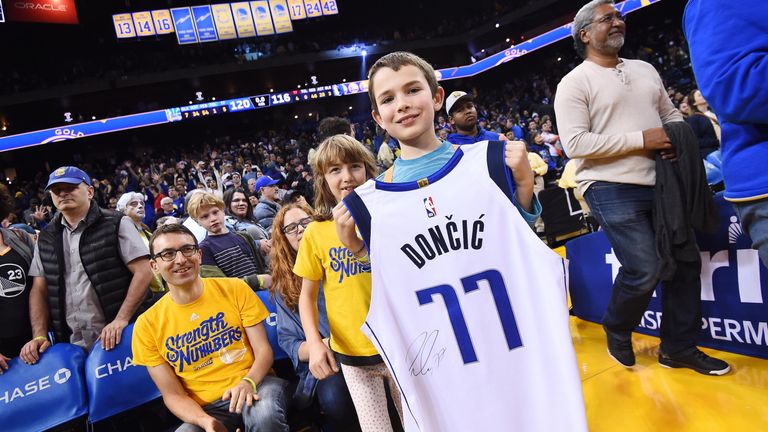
[728,54]
[462,114]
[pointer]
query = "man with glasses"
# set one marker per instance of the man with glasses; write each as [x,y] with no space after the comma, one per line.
[204,344]
[611,112]
[90,269]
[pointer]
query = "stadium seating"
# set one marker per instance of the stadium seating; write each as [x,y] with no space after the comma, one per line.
[114,384]
[41,396]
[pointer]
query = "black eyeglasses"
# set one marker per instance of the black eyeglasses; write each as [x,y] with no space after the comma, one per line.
[607,19]
[169,255]
[292,228]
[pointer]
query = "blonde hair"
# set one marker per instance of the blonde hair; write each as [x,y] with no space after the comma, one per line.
[395,61]
[203,199]
[333,150]
[282,257]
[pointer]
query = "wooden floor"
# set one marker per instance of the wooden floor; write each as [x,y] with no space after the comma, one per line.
[653,398]
[650,397]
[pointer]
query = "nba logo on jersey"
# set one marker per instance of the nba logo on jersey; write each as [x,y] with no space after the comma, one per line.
[429,205]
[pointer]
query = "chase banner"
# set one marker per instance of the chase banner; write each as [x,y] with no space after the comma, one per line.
[734,286]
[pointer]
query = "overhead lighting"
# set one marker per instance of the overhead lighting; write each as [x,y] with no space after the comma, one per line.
[497,25]
[507,40]
[213,98]
[296,116]
[350,107]
[364,53]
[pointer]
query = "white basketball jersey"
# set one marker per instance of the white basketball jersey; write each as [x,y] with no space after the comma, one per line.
[468,307]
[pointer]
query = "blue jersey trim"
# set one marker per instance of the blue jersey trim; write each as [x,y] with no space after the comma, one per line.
[497,168]
[394,375]
[360,215]
[406,186]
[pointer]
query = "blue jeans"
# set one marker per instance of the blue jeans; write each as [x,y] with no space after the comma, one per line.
[625,212]
[268,414]
[754,219]
[338,411]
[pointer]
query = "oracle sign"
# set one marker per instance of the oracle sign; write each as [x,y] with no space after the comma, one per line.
[49,11]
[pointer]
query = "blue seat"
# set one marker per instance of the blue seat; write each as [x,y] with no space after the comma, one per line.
[46,394]
[270,324]
[114,383]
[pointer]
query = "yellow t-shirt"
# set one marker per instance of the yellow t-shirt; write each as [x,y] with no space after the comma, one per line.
[204,342]
[346,284]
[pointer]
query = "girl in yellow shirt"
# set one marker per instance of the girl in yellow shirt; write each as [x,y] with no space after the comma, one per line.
[340,165]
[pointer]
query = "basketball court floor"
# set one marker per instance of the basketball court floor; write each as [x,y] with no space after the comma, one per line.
[650,397]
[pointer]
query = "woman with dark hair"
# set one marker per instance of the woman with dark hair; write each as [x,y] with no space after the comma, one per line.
[702,122]
[239,213]
[16,248]
[328,396]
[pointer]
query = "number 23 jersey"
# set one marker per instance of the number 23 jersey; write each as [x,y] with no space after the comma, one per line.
[468,307]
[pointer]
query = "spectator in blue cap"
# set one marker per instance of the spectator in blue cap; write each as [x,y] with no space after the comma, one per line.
[462,114]
[91,270]
[267,207]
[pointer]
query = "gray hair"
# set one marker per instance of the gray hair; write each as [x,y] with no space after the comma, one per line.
[584,17]
[126,198]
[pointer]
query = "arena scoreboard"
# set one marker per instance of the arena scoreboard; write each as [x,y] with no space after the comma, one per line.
[246,103]
[222,21]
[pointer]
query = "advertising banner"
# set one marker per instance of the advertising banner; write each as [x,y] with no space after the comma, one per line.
[45,11]
[734,286]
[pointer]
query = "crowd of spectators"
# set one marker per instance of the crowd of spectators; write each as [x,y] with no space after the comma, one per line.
[519,107]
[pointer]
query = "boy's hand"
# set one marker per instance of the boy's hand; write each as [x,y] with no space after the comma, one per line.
[516,157]
[345,228]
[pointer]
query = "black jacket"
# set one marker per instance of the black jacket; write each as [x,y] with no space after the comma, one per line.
[705,134]
[683,201]
[100,254]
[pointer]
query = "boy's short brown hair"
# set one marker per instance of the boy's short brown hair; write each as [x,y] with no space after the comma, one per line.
[203,199]
[395,61]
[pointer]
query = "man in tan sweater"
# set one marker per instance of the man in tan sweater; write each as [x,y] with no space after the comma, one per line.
[610,112]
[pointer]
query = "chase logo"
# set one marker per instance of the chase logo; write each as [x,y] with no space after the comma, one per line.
[429,206]
[62,375]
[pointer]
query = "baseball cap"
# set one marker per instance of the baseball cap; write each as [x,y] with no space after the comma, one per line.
[264,181]
[68,174]
[454,97]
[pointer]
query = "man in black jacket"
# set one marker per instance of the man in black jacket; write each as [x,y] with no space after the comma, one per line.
[90,268]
